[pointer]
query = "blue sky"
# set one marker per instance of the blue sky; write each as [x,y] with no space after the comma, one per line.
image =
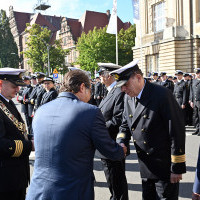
[73,8]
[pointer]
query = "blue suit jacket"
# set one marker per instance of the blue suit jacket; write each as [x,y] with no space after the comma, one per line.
[196,186]
[66,132]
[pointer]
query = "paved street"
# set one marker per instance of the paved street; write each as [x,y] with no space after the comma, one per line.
[133,176]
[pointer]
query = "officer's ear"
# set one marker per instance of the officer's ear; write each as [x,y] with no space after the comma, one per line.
[0,84]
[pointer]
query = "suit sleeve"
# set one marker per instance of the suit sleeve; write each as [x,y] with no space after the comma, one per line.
[12,148]
[185,94]
[102,140]
[191,93]
[174,122]
[196,186]
[116,120]
[124,134]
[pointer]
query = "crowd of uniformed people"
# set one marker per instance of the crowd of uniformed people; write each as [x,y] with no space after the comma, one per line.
[124,105]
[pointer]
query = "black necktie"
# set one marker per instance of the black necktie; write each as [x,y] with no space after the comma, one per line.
[136,101]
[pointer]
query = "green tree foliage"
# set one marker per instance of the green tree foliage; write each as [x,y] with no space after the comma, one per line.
[99,46]
[126,41]
[37,53]
[8,48]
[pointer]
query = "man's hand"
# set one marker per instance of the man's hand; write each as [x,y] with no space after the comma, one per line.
[183,106]
[195,196]
[124,148]
[192,104]
[175,178]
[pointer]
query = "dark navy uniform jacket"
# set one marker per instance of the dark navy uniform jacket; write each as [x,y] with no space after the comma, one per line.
[168,84]
[195,91]
[25,96]
[112,108]
[180,92]
[98,89]
[14,152]
[49,96]
[158,131]
[66,133]
[31,100]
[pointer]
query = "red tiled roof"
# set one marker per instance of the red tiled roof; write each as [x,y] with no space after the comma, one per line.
[42,21]
[91,19]
[75,27]
[21,20]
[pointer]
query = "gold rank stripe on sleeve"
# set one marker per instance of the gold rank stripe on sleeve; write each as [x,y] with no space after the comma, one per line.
[120,135]
[18,148]
[178,159]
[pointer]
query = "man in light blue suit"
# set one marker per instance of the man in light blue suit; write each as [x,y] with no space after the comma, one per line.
[196,186]
[66,133]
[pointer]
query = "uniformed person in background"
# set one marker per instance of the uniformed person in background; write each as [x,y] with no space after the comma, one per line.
[92,101]
[50,93]
[180,92]
[155,77]
[157,126]
[31,100]
[175,80]
[98,91]
[40,90]
[24,104]
[195,100]
[165,82]
[112,107]
[14,145]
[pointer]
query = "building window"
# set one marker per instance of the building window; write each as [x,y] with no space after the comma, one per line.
[149,61]
[152,64]
[159,19]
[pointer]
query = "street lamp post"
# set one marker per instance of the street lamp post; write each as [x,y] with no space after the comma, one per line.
[48,47]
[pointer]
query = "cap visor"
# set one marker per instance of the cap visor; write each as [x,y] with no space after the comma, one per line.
[121,83]
[18,83]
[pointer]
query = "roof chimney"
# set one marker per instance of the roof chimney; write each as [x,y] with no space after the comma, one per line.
[108,13]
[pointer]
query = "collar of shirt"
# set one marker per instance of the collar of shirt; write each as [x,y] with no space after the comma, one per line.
[140,94]
[4,98]
[110,87]
[180,80]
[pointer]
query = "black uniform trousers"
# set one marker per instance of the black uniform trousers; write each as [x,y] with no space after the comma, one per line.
[159,190]
[116,179]
[13,195]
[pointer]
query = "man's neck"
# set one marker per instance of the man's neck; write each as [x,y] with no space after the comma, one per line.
[5,97]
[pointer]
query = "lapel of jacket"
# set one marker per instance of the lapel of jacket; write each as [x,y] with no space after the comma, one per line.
[144,100]
[109,95]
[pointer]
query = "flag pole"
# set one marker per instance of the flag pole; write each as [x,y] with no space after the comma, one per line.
[116,50]
[112,26]
[141,52]
[116,41]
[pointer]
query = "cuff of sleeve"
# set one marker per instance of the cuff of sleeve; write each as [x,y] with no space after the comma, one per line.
[120,137]
[27,144]
[178,168]
[18,148]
